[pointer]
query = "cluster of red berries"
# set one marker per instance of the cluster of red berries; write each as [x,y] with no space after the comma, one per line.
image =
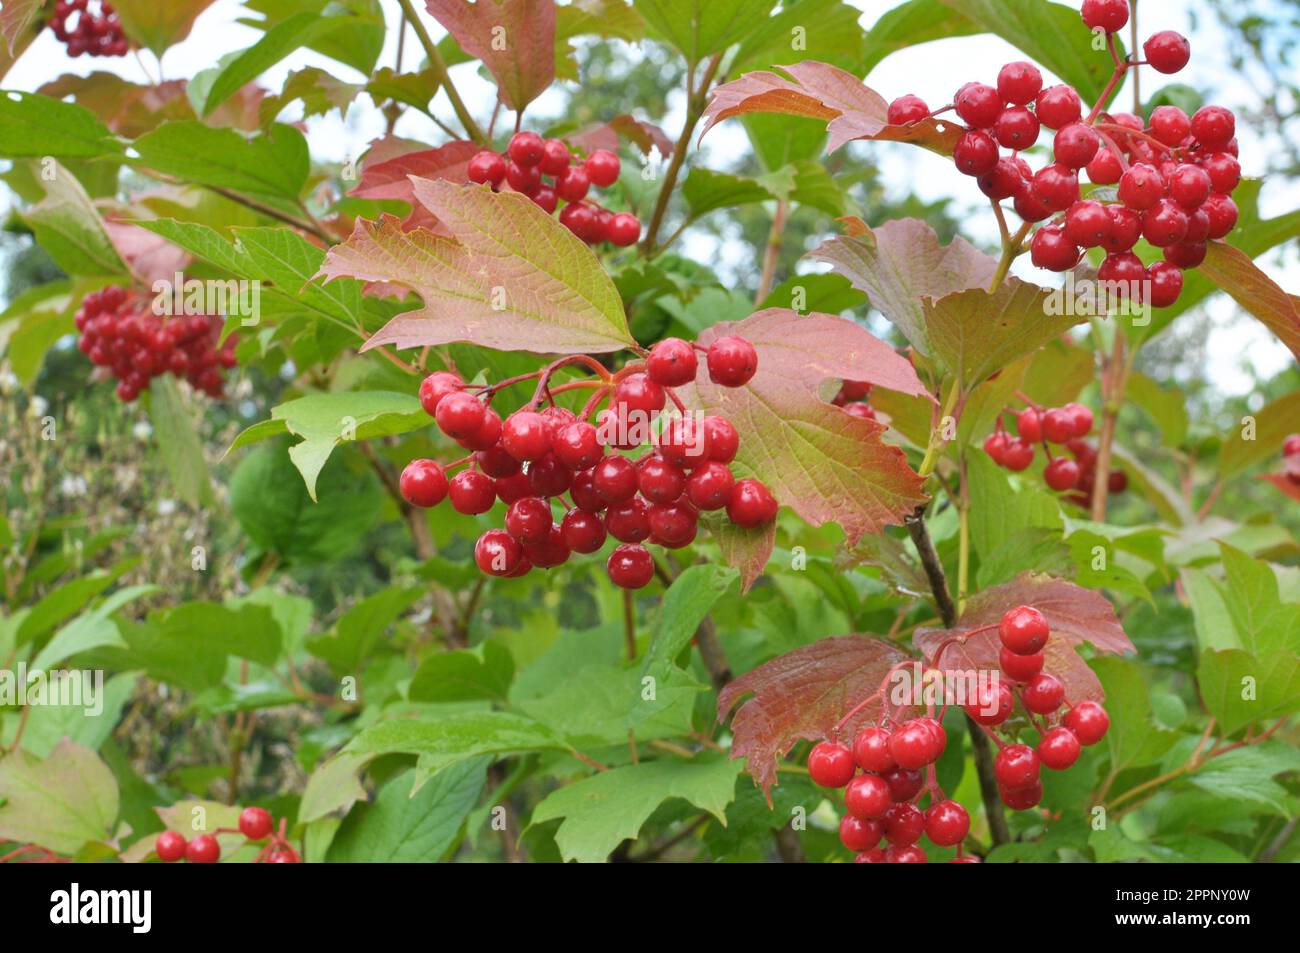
[136,346]
[536,457]
[545,171]
[880,801]
[1023,632]
[853,397]
[255,823]
[1175,175]
[97,32]
[1291,458]
[1065,426]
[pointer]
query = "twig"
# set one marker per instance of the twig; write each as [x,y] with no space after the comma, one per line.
[440,68]
[629,624]
[773,251]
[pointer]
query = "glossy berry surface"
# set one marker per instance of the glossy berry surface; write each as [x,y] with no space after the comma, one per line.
[203,849]
[1088,721]
[947,823]
[170,846]
[831,765]
[1023,630]
[867,796]
[255,822]
[1016,766]
[732,361]
[630,566]
[1059,749]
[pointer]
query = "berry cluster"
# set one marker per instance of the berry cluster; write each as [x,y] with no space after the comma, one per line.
[881,801]
[853,397]
[1291,458]
[97,32]
[255,823]
[545,171]
[137,346]
[1175,174]
[536,457]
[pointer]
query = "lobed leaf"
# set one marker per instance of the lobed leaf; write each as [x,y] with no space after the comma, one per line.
[515,39]
[1233,271]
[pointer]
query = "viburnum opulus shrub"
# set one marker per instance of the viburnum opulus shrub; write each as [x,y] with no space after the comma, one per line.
[476,509]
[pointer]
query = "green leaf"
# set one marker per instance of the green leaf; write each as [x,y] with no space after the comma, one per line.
[327,420]
[443,742]
[513,278]
[61,802]
[205,242]
[1052,34]
[1258,437]
[830,27]
[1247,774]
[481,673]
[358,46]
[1133,738]
[1214,627]
[88,724]
[917,21]
[249,631]
[34,126]
[405,827]
[1000,513]
[90,630]
[700,28]
[706,190]
[1166,406]
[319,91]
[830,294]
[273,164]
[1240,689]
[272,504]
[602,811]
[68,227]
[685,604]
[357,631]
[178,443]
[301,29]
[158,26]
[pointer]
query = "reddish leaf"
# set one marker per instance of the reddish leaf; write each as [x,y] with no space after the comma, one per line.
[151,257]
[1233,271]
[390,178]
[851,109]
[901,262]
[17,19]
[510,277]
[1075,615]
[823,463]
[606,135]
[800,696]
[1284,482]
[127,109]
[515,39]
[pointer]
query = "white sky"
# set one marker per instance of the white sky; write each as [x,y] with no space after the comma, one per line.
[933,71]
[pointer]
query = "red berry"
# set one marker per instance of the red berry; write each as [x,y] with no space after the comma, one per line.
[1016,766]
[871,751]
[1023,798]
[1044,694]
[1019,83]
[487,168]
[947,823]
[1082,418]
[573,184]
[629,521]
[1125,229]
[254,822]
[529,519]
[1088,721]
[992,705]
[460,415]
[631,566]
[831,765]
[1124,270]
[995,445]
[867,796]
[1058,425]
[423,483]
[582,221]
[1058,749]
[1165,223]
[437,386]
[914,744]
[551,551]
[1017,456]
[584,532]
[859,834]
[907,109]
[1222,212]
[1106,15]
[751,504]
[1058,106]
[1224,171]
[577,445]
[1003,182]
[526,148]
[709,486]
[672,363]
[1051,249]
[497,553]
[1017,128]
[1075,145]
[170,847]
[471,492]
[1028,205]
[976,153]
[904,783]
[545,199]
[1023,630]
[685,441]
[1061,474]
[1170,125]
[204,849]
[673,525]
[1141,187]
[1087,223]
[1056,186]
[548,476]
[904,824]
[496,462]
[1291,446]
[874,856]
[526,435]
[602,168]
[721,439]
[1167,51]
[732,361]
[638,398]
[1105,167]
[906,854]
[1214,127]
[555,157]
[1020,668]
[623,230]
[614,479]
[526,179]
[978,105]
[1166,283]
